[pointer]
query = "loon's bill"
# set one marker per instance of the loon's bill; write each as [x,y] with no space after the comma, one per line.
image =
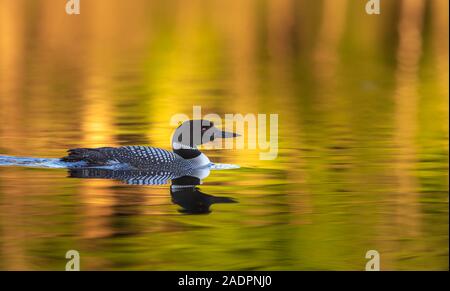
[183,158]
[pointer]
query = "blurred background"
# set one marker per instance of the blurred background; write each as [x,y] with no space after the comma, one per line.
[363,132]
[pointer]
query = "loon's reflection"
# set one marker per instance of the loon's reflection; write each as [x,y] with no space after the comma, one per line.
[185,193]
[183,190]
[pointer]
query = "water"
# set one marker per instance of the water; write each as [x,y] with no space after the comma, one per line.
[363,135]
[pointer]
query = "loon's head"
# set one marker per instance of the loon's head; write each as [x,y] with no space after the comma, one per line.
[193,133]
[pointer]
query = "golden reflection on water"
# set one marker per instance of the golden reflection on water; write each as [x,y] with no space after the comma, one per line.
[363,122]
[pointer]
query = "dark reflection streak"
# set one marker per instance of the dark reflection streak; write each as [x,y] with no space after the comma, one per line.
[183,190]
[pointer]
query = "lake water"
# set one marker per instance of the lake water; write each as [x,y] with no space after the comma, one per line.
[363,134]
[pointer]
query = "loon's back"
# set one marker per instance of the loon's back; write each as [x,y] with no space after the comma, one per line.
[138,157]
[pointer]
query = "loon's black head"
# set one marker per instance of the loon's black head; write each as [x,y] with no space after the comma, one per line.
[193,133]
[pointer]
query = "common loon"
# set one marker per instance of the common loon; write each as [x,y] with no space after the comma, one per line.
[184,158]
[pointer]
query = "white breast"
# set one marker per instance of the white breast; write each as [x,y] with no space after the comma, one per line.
[200,161]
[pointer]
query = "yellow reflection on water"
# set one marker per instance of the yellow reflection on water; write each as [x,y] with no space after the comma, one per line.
[363,123]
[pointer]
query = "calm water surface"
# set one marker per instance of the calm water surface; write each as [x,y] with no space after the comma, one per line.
[363,137]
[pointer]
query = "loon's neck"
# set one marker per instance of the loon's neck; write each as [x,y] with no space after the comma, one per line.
[191,153]
[185,151]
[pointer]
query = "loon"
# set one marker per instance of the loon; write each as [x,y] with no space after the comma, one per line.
[184,158]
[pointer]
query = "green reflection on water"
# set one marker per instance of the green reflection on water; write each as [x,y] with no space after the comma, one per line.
[363,123]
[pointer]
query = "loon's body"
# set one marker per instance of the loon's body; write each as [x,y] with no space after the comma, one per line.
[137,157]
[184,158]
